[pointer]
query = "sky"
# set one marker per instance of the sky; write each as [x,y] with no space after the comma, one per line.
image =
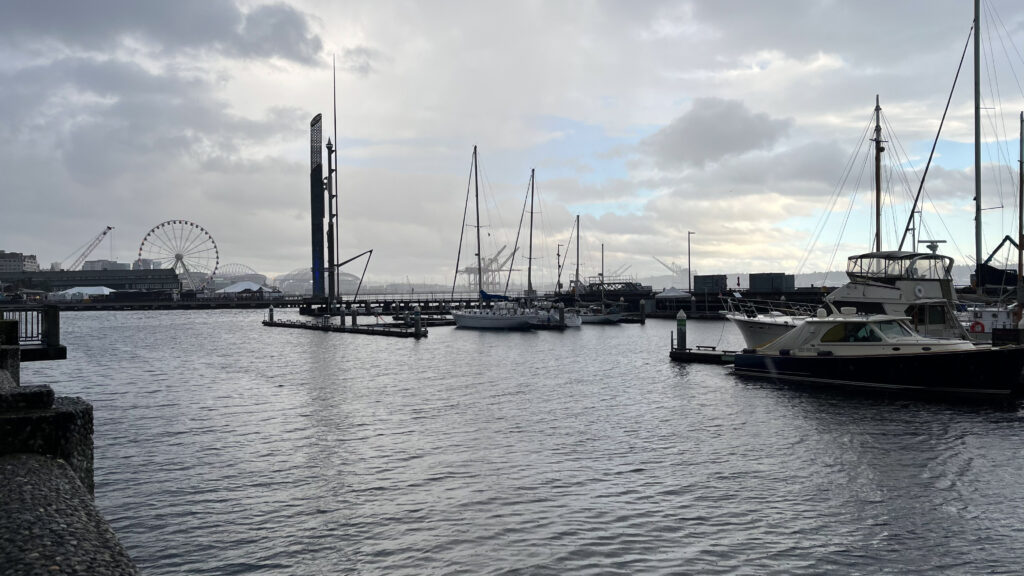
[734,120]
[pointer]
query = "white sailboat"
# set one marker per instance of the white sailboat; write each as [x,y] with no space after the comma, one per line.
[504,314]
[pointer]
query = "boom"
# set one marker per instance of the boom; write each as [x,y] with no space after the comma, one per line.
[88,249]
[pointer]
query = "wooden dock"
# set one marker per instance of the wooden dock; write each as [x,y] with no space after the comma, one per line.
[395,330]
[702,355]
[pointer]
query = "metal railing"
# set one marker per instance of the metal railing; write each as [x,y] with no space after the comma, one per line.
[36,324]
[752,308]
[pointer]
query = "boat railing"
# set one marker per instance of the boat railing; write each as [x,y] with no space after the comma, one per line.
[752,307]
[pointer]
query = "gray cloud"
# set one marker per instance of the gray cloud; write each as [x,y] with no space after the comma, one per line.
[270,30]
[711,130]
[361,60]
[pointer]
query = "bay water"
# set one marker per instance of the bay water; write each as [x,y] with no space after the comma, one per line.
[226,447]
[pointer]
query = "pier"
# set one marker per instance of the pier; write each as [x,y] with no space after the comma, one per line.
[412,327]
[679,352]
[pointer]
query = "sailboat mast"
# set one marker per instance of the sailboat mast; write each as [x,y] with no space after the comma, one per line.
[476,199]
[1020,216]
[878,176]
[576,289]
[529,257]
[977,146]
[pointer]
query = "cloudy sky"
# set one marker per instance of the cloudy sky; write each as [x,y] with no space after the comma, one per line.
[736,120]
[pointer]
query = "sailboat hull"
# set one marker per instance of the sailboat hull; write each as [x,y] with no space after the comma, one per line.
[489,319]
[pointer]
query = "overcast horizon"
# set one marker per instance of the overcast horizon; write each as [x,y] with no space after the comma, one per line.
[733,120]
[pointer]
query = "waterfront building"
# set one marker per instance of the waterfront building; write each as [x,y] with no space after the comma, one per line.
[105,265]
[148,280]
[18,262]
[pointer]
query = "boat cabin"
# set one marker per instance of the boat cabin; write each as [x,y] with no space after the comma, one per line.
[852,333]
[888,267]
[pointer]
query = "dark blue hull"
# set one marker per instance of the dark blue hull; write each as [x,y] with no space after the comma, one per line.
[986,373]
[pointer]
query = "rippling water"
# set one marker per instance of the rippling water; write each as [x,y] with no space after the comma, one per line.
[223,447]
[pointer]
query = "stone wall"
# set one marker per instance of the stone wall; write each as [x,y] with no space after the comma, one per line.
[48,520]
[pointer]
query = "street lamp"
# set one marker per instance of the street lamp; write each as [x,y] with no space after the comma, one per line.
[689,271]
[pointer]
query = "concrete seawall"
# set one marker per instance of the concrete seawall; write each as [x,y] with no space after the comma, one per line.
[49,523]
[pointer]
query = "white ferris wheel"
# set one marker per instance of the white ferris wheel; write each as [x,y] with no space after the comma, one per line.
[183,246]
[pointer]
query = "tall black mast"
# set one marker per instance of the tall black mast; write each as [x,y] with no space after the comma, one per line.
[529,257]
[476,198]
[977,146]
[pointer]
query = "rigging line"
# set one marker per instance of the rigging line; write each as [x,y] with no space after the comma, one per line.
[833,199]
[902,158]
[462,233]
[1002,38]
[835,249]
[1002,43]
[856,189]
[891,196]
[997,94]
[891,181]
[844,176]
[522,213]
[931,155]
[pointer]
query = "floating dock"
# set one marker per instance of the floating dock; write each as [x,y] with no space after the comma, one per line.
[702,355]
[395,330]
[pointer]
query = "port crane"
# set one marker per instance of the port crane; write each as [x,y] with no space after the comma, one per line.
[676,270]
[89,247]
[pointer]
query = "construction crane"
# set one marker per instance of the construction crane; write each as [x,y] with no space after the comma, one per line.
[674,268]
[89,248]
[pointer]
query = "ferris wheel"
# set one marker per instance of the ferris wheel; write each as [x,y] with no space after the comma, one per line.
[184,246]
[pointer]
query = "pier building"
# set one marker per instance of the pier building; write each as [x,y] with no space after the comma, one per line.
[52,281]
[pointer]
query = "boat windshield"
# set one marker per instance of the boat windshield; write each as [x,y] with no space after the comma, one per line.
[895,265]
[851,332]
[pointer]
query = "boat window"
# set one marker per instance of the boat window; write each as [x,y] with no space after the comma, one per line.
[927,314]
[851,332]
[892,329]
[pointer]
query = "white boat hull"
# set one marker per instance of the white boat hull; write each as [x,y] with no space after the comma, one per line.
[486,319]
[606,318]
[761,329]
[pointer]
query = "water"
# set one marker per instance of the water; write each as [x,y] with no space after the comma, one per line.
[223,447]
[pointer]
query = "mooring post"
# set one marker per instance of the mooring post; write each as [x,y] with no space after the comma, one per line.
[418,322]
[51,326]
[270,313]
[643,312]
[355,317]
[561,314]
[681,330]
[10,354]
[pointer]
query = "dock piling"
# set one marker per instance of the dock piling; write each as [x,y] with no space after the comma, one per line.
[681,330]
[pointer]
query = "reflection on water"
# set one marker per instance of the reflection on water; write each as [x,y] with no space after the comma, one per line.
[223,447]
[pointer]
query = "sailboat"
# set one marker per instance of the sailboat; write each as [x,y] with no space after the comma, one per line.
[503,314]
[595,313]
